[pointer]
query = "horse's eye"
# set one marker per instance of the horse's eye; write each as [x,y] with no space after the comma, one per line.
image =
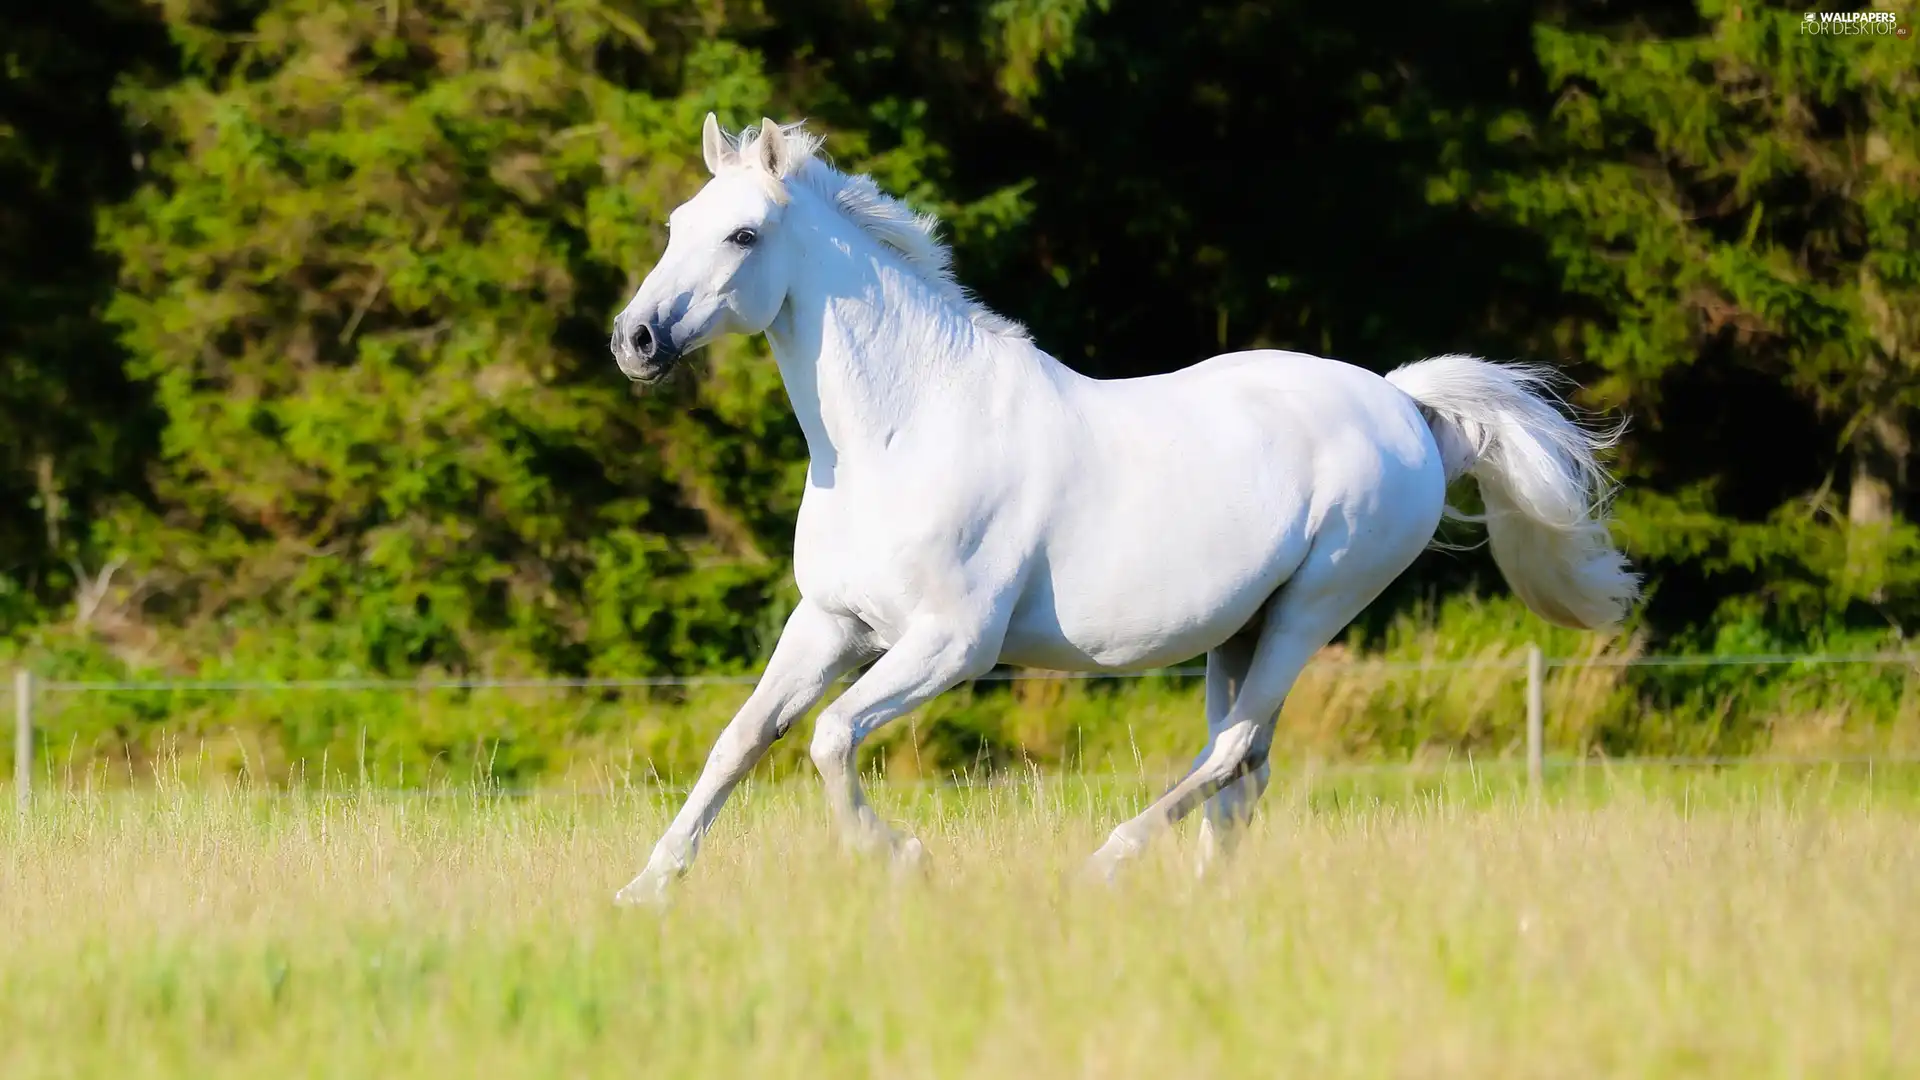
[743,237]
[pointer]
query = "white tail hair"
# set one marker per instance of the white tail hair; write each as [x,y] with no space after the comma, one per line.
[1540,477]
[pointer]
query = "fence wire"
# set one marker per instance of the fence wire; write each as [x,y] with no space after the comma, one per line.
[85,686]
[655,786]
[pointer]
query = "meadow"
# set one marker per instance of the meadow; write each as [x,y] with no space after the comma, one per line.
[1384,922]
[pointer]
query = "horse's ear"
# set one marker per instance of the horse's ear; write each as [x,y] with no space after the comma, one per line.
[772,150]
[713,145]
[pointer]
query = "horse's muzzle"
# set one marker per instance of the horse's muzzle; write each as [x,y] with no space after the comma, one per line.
[647,371]
[645,354]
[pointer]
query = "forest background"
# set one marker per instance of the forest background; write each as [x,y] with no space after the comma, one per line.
[303,374]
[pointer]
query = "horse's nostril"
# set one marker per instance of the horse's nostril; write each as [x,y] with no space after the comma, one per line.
[643,340]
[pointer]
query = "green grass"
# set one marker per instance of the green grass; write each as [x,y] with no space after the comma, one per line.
[1428,923]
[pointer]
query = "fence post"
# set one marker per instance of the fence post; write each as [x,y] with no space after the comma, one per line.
[1536,717]
[23,739]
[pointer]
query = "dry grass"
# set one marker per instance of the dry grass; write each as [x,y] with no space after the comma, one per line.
[1740,926]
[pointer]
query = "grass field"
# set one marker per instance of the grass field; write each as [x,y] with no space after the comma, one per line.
[1380,924]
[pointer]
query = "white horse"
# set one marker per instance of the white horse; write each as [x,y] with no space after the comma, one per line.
[970,500]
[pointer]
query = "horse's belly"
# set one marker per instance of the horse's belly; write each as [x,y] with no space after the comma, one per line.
[1045,644]
[1101,616]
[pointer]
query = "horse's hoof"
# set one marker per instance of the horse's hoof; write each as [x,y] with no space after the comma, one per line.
[910,859]
[1103,866]
[644,891]
[1101,870]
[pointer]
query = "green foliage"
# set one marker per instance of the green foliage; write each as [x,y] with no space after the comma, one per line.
[368,283]
[1738,205]
[303,307]
[1439,683]
[74,429]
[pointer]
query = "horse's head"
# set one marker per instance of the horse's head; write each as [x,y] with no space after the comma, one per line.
[727,265]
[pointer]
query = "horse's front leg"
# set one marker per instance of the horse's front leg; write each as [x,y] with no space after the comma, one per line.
[933,655]
[815,648]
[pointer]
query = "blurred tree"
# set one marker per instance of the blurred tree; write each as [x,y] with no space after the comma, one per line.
[1735,203]
[74,431]
[1148,184]
[359,414]
[370,281]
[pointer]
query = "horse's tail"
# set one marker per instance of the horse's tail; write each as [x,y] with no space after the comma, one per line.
[1540,478]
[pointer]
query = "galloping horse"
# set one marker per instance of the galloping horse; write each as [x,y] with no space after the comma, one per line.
[970,500]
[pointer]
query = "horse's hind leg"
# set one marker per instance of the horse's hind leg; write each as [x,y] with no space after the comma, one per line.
[1227,814]
[1336,582]
[1232,805]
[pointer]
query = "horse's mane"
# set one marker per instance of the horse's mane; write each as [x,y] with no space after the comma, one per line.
[890,222]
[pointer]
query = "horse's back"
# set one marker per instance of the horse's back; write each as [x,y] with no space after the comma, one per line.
[1348,422]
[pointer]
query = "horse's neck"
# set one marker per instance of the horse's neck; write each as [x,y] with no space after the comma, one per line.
[863,353]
